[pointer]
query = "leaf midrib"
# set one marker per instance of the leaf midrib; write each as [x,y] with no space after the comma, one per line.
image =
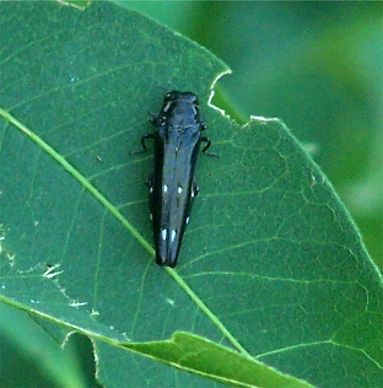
[114,211]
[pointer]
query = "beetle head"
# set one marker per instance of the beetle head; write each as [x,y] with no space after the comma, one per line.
[175,95]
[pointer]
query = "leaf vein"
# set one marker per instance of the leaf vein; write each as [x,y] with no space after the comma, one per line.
[268,278]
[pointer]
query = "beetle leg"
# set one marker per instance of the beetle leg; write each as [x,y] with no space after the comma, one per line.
[153,118]
[208,143]
[146,137]
[206,147]
[143,138]
[195,190]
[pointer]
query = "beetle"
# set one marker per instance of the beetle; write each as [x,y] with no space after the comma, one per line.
[172,188]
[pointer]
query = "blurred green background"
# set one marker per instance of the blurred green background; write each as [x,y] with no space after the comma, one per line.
[316,65]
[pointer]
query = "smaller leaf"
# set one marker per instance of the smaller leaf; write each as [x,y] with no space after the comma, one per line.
[198,355]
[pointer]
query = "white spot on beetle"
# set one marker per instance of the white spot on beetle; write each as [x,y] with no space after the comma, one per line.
[151,216]
[187,220]
[164,233]
[193,194]
[165,188]
[151,190]
[166,107]
[174,234]
[179,189]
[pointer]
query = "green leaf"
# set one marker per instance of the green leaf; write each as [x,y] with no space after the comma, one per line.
[197,354]
[186,353]
[272,267]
